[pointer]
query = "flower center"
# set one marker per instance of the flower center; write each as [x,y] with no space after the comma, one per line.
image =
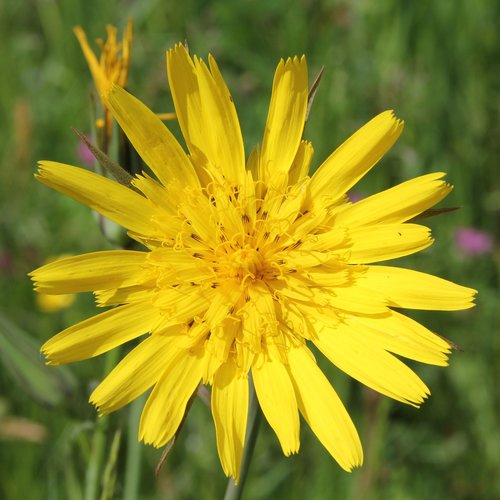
[244,263]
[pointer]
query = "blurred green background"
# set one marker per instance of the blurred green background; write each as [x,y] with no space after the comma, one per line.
[435,63]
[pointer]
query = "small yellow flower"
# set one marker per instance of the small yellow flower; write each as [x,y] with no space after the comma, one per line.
[54,303]
[50,303]
[111,67]
[246,264]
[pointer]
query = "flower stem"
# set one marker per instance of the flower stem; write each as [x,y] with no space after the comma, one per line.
[134,450]
[93,473]
[235,491]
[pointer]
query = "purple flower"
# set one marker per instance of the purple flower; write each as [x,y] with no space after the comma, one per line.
[472,242]
[84,154]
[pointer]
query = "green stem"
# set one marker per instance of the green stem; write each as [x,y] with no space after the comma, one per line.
[376,411]
[134,449]
[93,476]
[235,491]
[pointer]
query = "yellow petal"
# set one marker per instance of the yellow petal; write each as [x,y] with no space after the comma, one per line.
[176,267]
[197,211]
[297,321]
[323,411]
[168,260]
[415,290]
[397,204]
[135,374]
[253,163]
[226,210]
[362,358]
[101,333]
[285,214]
[355,157]
[159,195]
[180,304]
[206,114]
[127,295]
[222,303]
[166,405]
[401,335]
[358,299]
[218,346]
[230,411]
[301,163]
[100,79]
[276,397]
[355,297]
[328,241]
[329,276]
[116,202]
[285,120]
[91,271]
[306,225]
[259,316]
[151,138]
[386,241]
[125,59]
[302,259]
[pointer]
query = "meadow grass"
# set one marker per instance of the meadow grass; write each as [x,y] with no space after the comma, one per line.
[435,63]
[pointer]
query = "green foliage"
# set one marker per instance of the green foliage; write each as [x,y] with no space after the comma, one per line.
[20,356]
[435,63]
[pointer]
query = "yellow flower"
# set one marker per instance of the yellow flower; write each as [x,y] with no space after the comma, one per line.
[111,67]
[52,303]
[249,263]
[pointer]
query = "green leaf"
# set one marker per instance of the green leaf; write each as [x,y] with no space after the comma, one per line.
[20,355]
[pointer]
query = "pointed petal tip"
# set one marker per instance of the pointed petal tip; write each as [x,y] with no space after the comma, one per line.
[48,354]
[49,361]
[40,165]
[79,32]
[355,461]
[419,399]
[356,465]
[151,437]
[293,61]
[292,451]
[469,299]
[179,47]
[393,120]
[147,438]
[101,410]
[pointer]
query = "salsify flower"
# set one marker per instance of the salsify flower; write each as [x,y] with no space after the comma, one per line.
[111,67]
[247,264]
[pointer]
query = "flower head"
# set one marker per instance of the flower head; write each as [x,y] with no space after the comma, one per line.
[472,242]
[247,263]
[111,67]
